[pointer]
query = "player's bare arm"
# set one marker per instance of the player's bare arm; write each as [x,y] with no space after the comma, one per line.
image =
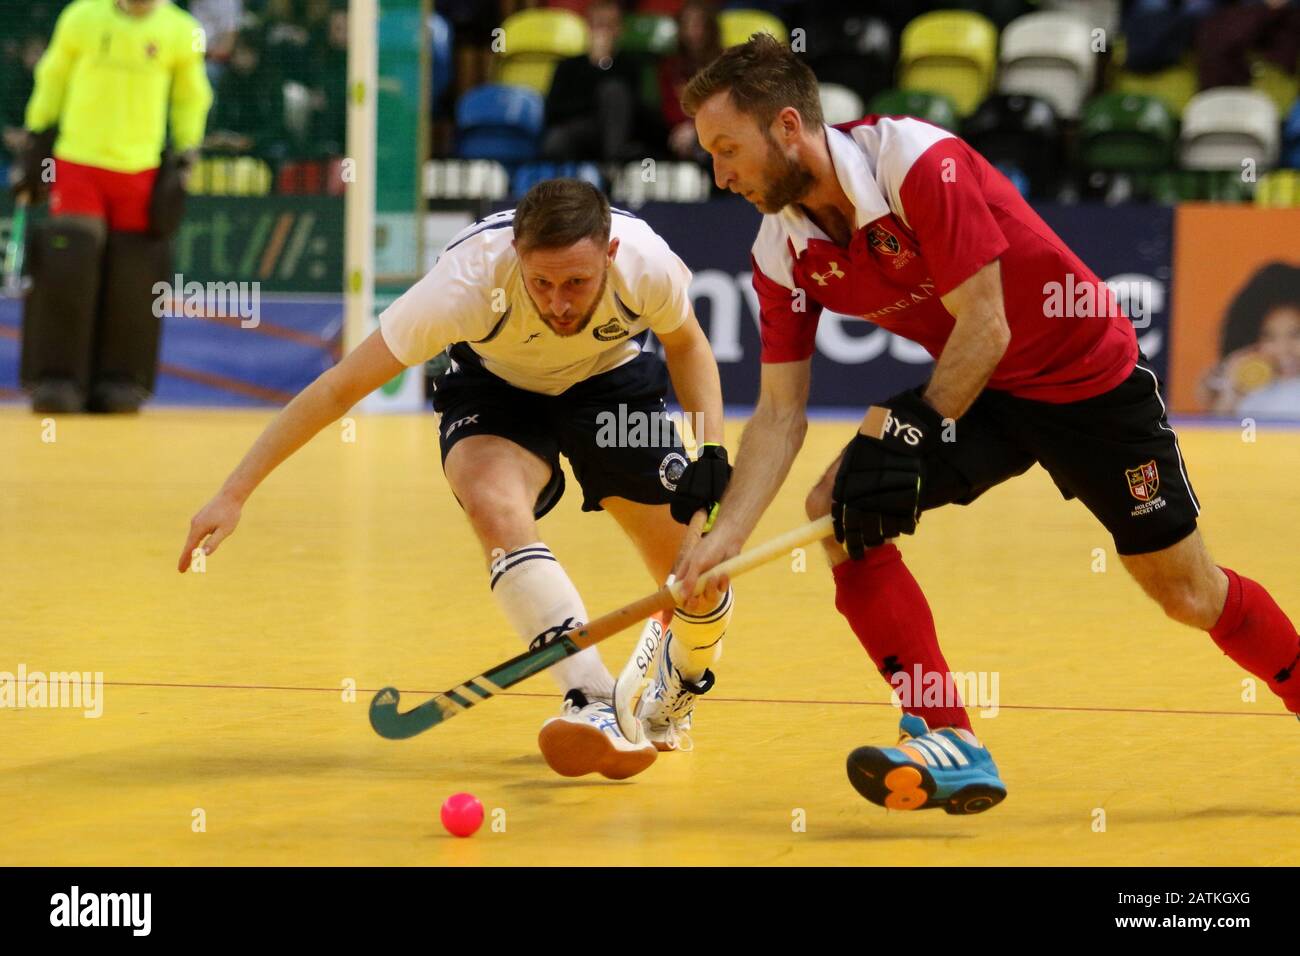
[325,400]
[768,447]
[979,340]
[694,373]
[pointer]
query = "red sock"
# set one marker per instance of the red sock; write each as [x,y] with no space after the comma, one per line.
[891,618]
[1255,633]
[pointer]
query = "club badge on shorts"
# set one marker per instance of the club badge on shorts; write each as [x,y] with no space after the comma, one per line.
[671,470]
[1143,481]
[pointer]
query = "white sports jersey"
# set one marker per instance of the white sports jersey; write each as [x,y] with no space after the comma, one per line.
[475,294]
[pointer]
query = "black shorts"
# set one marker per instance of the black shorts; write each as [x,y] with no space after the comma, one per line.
[1115,452]
[639,464]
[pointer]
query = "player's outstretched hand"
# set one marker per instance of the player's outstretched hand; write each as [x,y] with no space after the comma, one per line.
[215,521]
[697,558]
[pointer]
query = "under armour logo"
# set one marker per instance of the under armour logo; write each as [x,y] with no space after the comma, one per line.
[821,277]
[552,634]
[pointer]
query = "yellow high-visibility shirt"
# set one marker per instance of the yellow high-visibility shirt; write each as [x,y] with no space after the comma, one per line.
[109,80]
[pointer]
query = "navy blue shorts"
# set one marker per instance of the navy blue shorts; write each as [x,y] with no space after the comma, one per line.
[639,465]
[1115,452]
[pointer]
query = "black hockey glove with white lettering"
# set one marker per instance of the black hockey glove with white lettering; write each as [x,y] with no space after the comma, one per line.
[877,494]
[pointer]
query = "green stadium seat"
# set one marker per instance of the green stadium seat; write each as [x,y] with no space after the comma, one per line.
[1127,132]
[932,107]
[953,52]
[647,33]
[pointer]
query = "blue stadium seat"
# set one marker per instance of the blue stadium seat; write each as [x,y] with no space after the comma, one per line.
[1291,138]
[440,31]
[499,122]
[530,174]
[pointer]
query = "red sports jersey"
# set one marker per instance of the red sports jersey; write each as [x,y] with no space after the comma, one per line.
[931,212]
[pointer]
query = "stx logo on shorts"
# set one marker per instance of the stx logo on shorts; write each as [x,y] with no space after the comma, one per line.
[467,420]
[821,277]
[1143,481]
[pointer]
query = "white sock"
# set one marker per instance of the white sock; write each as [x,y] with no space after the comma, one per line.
[697,638]
[536,596]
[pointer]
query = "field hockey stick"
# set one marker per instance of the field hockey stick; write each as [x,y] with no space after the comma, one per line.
[388,722]
[15,249]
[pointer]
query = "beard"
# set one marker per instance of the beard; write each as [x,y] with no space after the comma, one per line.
[788,180]
[550,319]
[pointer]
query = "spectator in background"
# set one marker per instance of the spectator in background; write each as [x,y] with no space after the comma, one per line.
[699,43]
[591,109]
[287,40]
[1226,39]
[248,115]
[329,94]
[1158,32]
[16,84]
[220,20]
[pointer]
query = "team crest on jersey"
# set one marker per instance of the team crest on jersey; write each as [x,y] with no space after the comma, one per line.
[1143,481]
[882,240]
[671,470]
[611,331]
[151,50]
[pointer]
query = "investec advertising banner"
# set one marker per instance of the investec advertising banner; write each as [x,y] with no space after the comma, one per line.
[856,362]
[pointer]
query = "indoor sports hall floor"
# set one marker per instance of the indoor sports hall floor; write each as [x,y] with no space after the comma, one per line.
[223,690]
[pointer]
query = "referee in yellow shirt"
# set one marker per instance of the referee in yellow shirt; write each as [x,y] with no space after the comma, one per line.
[118,76]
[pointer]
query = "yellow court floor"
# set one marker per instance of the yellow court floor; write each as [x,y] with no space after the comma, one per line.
[227,734]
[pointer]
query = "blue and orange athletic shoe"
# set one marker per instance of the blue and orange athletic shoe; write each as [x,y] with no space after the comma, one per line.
[946,768]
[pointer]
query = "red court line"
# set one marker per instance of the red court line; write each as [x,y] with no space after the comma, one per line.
[269,329]
[727,700]
[226,383]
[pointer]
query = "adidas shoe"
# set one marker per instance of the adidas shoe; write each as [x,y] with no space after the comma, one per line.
[946,768]
[585,739]
[667,704]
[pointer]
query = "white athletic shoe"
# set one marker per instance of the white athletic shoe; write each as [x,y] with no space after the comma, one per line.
[667,704]
[585,738]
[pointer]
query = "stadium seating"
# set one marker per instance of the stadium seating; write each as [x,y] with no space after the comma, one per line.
[839,103]
[534,41]
[530,174]
[737,26]
[647,33]
[499,122]
[441,36]
[230,176]
[460,179]
[1103,14]
[1127,132]
[637,183]
[998,12]
[1049,55]
[1174,85]
[1291,138]
[1279,188]
[854,52]
[953,52]
[1225,126]
[932,107]
[1018,133]
[1278,85]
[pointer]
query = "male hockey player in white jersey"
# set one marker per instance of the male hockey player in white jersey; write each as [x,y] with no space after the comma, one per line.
[541,309]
